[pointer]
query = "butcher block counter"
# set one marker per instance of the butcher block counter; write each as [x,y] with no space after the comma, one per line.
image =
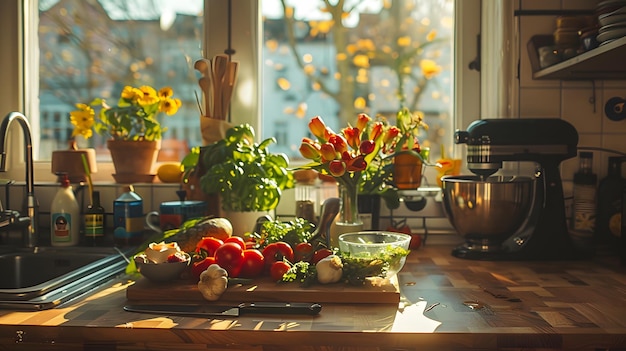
[446,303]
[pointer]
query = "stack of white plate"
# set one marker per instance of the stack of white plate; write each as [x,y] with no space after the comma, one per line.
[612,20]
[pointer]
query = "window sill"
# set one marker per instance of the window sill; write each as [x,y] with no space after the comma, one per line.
[43,174]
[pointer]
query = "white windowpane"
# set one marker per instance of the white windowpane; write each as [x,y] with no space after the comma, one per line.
[336,63]
[92,49]
[311,65]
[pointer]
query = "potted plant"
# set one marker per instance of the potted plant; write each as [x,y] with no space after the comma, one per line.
[245,174]
[132,123]
[409,157]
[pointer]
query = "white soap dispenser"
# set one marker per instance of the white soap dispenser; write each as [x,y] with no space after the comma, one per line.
[64,216]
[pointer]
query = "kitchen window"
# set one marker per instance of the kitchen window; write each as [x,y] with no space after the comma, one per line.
[266,57]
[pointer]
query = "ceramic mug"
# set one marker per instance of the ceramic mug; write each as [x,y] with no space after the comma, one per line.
[173,214]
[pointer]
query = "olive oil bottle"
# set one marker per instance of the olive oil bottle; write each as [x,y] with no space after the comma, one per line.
[94,222]
[608,219]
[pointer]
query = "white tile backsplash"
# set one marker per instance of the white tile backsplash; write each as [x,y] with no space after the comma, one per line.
[540,102]
[152,195]
[579,110]
[609,126]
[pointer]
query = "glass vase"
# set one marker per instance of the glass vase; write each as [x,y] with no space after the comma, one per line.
[348,220]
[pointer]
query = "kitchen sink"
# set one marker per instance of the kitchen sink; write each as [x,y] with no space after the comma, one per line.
[46,277]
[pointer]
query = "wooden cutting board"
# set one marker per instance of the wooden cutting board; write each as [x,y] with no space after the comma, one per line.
[265,290]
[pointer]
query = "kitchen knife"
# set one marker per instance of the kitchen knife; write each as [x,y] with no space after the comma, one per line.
[229,311]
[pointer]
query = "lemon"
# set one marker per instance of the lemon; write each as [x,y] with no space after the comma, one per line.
[169,172]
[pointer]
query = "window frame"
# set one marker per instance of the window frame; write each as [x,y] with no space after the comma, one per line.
[19,17]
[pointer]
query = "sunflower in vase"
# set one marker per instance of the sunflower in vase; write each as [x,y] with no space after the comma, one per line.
[133,118]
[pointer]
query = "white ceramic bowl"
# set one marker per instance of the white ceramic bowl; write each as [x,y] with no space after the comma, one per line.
[375,244]
[161,272]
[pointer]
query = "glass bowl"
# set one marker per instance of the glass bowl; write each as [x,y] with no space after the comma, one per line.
[377,245]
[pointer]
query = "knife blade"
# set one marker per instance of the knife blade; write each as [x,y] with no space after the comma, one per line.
[229,311]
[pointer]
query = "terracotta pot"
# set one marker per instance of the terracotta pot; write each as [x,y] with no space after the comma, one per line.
[71,162]
[133,160]
[407,171]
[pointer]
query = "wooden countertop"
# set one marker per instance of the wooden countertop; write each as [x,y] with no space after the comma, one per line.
[447,304]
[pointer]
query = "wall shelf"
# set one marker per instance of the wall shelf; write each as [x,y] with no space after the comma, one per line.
[603,63]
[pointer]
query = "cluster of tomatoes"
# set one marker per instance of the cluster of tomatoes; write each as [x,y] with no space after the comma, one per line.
[242,259]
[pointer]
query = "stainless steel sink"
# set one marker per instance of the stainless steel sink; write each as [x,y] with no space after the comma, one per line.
[46,277]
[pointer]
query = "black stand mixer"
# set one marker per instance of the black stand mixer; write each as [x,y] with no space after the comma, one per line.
[547,142]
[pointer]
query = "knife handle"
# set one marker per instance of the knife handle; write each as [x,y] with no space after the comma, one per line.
[281,308]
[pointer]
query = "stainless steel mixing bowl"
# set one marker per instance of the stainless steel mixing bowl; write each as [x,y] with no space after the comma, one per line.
[487,212]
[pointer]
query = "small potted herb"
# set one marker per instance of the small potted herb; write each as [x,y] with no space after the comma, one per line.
[246,175]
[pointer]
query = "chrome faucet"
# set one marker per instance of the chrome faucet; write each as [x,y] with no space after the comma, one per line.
[31,205]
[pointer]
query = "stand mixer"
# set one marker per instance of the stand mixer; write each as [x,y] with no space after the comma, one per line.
[543,233]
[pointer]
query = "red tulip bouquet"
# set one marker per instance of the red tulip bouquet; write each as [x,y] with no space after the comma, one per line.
[347,155]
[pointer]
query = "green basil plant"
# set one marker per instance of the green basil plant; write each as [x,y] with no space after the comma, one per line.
[246,175]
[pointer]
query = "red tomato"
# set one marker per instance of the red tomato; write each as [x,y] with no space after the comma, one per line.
[230,257]
[276,252]
[251,243]
[320,254]
[278,269]
[416,241]
[238,240]
[201,266]
[253,263]
[303,252]
[208,244]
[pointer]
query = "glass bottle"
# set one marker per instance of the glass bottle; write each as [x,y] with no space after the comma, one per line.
[348,220]
[584,205]
[608,218]
[306,195]
[94,222]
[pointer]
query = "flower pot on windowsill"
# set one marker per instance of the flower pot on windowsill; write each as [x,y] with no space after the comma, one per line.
[407,171]
[70,161]
[133,160]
